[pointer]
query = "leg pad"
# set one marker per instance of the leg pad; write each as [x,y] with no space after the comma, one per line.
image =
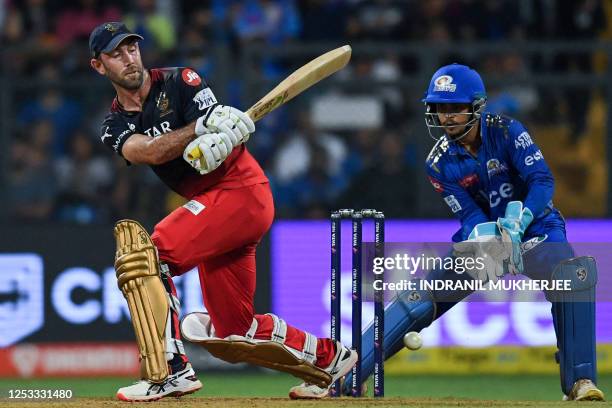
[574,318]
[196,328]
[137,268]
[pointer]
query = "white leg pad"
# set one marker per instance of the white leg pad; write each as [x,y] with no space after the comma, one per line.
[197,328]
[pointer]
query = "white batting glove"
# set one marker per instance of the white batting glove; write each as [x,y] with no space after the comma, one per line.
[215,148]
[226,119]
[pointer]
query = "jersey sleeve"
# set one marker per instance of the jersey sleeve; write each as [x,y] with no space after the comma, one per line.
[528,159]
[196,96]
[461,204]
[115,131]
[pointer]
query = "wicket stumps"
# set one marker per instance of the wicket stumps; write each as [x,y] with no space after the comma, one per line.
[357,217]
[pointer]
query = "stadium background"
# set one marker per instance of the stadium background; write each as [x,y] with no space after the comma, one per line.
[356,140]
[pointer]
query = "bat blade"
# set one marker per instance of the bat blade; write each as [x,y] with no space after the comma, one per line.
[300,80]
[296,83]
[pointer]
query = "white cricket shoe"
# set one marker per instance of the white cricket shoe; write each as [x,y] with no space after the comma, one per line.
[584,390]
[181,383]
[342,363]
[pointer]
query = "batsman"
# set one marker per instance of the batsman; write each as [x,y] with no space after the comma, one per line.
[494,179]
[157,117]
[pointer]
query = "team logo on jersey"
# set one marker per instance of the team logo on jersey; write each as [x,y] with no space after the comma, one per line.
[191,77]
[163,103]
[444,83]
[469,180]
[494,167]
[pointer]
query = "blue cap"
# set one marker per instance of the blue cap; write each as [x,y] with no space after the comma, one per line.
[455,83]
[107,36]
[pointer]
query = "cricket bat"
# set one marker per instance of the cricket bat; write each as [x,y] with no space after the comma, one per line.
[296,83]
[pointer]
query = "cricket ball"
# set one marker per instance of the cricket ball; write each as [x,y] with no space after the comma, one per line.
[413,340]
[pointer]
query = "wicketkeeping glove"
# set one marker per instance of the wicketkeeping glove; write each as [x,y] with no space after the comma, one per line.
[485,242]
[512,227]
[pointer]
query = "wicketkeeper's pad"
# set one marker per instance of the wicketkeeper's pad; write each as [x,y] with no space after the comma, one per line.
[137,267]
[197,328]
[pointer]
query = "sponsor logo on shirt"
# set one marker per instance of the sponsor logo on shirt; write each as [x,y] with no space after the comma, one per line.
[506,190]
[436,184]
[120,138]
[469,180]
[191,77]
[523,140]
[529,160]
[453,203]
[154,131]
[194,207]
[205,98]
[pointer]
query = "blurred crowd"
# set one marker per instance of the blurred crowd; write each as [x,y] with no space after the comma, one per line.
[58,170]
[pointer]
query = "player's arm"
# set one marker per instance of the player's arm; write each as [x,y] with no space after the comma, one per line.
[528,159]
[458,199]
[138,148]
[143,149]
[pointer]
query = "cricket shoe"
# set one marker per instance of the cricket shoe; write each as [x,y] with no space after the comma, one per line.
[181,383]
[584,390]
[343,362]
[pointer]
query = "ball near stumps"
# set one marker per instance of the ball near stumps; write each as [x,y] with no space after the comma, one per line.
[413,340]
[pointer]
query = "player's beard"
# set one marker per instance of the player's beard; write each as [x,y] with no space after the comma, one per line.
[455,132]
[128,83]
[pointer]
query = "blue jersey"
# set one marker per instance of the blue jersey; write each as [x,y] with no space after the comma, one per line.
[508,167]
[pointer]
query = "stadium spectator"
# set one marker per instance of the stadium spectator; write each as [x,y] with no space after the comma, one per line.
[267,21]
[45,56]
[76,21]
[323,19]
[579,20]
[52,105]
[31,187]
[84,180]
[157,29]
[294,157]
[387,184]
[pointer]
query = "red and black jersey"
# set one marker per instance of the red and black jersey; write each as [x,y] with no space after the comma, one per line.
[178,96]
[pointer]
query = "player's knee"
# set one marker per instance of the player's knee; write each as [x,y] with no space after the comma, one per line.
[172,247]
[581,275]
[419,304]
[235,327]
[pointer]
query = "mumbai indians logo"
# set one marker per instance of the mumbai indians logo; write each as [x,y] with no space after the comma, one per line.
[444,83]
[494,167]
[581,273]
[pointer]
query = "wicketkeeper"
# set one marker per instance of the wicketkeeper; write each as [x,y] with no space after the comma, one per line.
[494,179]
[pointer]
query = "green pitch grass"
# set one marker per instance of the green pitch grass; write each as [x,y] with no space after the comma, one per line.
[257,389]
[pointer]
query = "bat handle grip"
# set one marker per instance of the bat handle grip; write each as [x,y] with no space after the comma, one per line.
[195,153]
